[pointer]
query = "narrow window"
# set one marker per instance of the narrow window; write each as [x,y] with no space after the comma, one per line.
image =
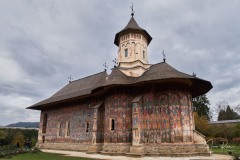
[61,129]
[87,128]
[112,124]
[44,127]
[143,54]
[68,128]
[126,52]
[43,139]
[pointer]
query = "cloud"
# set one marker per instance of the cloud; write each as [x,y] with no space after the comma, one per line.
[43,42]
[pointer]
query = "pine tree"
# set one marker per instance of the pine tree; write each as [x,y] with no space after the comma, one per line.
[201,104]
[228,114]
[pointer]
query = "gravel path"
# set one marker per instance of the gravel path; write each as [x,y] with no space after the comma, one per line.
[105,157]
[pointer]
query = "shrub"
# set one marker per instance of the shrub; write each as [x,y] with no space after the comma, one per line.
[236,140]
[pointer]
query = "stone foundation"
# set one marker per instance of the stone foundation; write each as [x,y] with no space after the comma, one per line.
[96,148]
[168,149]
[116,149]
[65,146]
[177,150]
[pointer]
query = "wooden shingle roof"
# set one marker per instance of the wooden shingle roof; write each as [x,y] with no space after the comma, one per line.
[158,72]
[76,88]
[132,26]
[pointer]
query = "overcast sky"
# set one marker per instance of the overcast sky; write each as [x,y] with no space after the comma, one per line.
[43,42]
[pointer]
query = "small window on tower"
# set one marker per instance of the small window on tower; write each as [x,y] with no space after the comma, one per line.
[126,52]
[143,54]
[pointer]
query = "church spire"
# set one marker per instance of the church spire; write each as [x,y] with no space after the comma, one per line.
[133,53]
[132,26]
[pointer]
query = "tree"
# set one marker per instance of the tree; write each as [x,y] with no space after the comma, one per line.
[228,114]
[201,104]
[3,135]
[201,124]
[18,138]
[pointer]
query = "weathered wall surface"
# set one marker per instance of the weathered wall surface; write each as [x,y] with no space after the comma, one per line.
[79,117]
[118,107]
[158,121]
[166,117]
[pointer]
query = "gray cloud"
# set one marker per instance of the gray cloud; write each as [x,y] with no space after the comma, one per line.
[43,42]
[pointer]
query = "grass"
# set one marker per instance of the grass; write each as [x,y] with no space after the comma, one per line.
[44,156]
[236,150]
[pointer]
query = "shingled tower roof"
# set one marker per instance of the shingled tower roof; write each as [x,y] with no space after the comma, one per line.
[133,27]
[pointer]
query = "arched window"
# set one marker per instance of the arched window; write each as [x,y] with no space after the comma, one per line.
[44,127]
[87,127]
[112,124]
[143,54]
[126,52]
[68,128]
[61,129]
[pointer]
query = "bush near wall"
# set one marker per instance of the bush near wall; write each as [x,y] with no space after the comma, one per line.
[12,136]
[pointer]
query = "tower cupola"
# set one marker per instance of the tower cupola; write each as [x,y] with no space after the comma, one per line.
[132,44]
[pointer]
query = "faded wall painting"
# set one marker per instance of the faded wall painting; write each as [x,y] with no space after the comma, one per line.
[118,110]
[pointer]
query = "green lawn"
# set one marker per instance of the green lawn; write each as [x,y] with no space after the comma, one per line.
[236,150]
[44,156]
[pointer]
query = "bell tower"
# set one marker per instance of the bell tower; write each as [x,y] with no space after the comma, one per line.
[132,44]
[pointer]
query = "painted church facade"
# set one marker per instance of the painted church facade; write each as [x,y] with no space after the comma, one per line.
[138,109]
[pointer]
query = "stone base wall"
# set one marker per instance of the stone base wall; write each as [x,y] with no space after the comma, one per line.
[174,150]
[177,149]
[65,146]
[116,148]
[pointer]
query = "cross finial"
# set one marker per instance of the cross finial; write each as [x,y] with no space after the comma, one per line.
[194,74]
[164,57]
[115,62]
[105,66]
[132,14]
[70,79]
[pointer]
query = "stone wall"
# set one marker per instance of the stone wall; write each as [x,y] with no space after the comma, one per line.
[71,123]
[177,149]
[66,146]
[150,121]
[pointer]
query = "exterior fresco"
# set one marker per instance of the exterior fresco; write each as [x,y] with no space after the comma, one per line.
[153,119]
[163,117]
[118,107]
[166,118]
[57,124]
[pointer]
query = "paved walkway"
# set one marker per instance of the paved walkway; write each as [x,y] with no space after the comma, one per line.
[99,156]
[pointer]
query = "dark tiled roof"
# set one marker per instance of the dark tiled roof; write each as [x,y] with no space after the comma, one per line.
[132,25]
[157,72]
[117,77]
[76,88]
[160,71]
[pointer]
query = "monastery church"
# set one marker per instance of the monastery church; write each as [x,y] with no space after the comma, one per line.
[138,109]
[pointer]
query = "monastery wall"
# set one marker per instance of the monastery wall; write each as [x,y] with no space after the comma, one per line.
[118,109]
[150,120]
[58,131]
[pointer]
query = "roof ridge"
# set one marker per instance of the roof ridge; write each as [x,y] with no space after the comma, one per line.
[88,76]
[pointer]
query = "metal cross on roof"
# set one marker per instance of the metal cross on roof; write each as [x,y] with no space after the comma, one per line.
[164,57]
[105,66]
[70,79]
[194,74]
[132,14]
[115,63]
